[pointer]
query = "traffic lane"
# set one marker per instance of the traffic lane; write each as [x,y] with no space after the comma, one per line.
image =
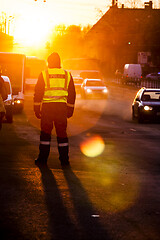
[112,181]
[111,197]
[85,124]
[88,112]
[110,119]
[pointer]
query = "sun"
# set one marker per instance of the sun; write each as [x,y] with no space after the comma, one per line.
[31,31]
[32,25]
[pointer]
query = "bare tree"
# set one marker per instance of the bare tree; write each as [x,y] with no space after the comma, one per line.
[3,22]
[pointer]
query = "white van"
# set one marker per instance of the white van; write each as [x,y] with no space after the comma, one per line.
[132,70]
[132,73]
[8,103]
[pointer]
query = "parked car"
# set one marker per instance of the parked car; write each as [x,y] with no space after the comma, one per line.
[146,105]
[78,82]
[93,88]
[9,102]
[153,76]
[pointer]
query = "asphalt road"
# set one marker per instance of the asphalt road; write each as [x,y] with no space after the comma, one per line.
[111,191]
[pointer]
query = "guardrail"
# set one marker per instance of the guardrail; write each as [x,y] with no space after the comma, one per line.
[148,83]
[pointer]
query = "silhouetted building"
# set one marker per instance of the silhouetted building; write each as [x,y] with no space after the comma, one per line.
[122,34]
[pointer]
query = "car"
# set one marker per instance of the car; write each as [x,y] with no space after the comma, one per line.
[93,88]
[132,74]
[78,82]
[146,105]
[153,76]
[9,102]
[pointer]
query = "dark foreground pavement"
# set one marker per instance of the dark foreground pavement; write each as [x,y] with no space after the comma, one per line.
[42,203]
[112,196]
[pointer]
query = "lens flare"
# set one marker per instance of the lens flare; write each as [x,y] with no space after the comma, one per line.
[93,146]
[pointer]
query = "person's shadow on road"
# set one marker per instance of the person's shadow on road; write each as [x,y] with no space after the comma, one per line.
[87,216]
[61,225]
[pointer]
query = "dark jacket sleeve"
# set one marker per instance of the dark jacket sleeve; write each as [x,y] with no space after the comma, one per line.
[3,90]
[39,90]
[71,98]
[38,95]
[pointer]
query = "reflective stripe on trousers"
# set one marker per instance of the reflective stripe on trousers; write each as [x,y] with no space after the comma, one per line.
[63,149]
[62,144]
[45,142]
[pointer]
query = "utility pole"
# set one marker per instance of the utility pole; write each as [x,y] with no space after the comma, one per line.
[10,18]
[5,25]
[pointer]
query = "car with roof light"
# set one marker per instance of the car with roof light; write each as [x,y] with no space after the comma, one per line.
[146,105]
[9,102]
[93,88]
[153,76]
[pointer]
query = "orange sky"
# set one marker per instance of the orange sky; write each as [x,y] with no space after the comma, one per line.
[32,21]
[36,18]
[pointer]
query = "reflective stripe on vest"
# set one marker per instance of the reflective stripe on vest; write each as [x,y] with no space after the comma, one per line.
[56,85]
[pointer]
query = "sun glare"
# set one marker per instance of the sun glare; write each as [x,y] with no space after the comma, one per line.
[92,146]
[31,32]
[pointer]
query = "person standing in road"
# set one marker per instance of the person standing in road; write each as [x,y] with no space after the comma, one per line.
[54,100]
[3,96]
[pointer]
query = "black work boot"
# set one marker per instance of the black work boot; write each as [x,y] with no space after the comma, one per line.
[44,151]
[63,150]
[63,156]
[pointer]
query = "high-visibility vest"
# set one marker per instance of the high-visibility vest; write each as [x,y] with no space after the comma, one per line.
[56,85]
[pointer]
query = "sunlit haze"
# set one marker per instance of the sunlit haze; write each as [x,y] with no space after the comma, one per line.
[30,22]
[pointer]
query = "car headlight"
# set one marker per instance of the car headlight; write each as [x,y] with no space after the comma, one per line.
[17,101]
[105,90]
[89,90]
[148,108]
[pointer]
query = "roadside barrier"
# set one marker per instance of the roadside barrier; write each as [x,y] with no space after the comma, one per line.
[148,83]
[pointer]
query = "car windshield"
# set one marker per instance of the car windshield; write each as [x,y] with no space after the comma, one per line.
[7,87]
[94,83]
[151,96]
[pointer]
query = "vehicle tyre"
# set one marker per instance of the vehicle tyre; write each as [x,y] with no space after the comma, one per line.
[9,115]
[140,118]
[133,116]
[9,118]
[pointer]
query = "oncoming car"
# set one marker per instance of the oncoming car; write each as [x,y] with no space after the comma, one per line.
[8,103]
[93,88]
[146,105]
